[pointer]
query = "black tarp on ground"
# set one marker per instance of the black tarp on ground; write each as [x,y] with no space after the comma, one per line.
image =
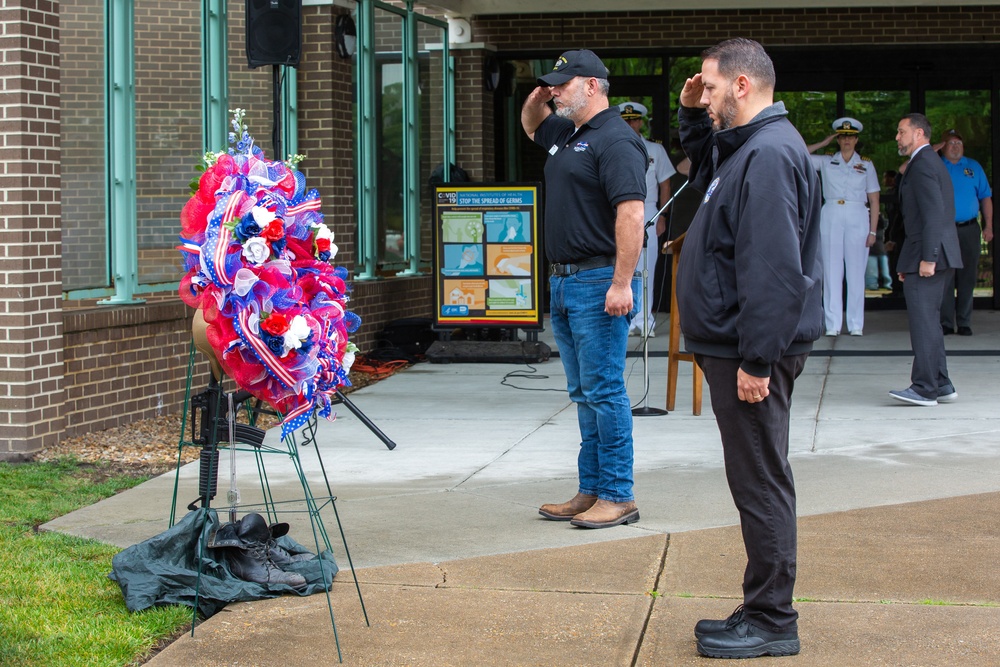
[164,570]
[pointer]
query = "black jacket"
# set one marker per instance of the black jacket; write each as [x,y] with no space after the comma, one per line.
[749,284]
[927,205]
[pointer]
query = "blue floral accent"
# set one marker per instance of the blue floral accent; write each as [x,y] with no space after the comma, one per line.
[274,343]
[247,228]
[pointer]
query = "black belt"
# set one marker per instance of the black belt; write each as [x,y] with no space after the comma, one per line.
[967,222]
[557,269]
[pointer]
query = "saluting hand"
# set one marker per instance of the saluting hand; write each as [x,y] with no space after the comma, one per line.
[540,95]
[691,94]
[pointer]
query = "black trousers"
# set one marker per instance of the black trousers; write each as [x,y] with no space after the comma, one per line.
[923,311]
[755,445]
[956,309]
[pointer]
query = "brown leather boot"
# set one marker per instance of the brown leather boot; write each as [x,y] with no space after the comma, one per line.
[605,514]
[565,511]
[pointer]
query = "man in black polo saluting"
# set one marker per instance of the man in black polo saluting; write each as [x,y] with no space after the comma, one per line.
[595,179]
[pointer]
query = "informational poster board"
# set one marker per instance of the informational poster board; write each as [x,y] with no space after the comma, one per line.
[487,264]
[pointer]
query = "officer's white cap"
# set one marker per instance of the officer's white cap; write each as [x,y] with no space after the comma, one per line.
[632,110]
[847,125]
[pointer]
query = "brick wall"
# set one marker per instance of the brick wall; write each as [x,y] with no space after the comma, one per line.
[772,27]
[473,115]
[326,126]
[379,302]
[31,363]
[126,364]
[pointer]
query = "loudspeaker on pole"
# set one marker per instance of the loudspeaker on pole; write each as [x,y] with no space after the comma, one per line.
[274,32]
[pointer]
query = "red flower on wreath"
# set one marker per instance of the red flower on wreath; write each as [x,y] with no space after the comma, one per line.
[323,244]
[275,324]
[275,230]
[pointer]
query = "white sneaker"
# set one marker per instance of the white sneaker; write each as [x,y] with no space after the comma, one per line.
[856,332]
[633,331]
[832,333]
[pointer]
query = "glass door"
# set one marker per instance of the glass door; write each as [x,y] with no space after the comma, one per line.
[969,112]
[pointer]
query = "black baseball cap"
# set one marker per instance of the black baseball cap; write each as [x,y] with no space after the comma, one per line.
[572,64]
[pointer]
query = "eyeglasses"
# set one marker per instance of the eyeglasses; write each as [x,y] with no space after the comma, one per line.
[954,142]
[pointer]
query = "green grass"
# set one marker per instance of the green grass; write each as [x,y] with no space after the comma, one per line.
[57,605]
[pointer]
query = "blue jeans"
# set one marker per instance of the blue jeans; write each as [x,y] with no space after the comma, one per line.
[592,347]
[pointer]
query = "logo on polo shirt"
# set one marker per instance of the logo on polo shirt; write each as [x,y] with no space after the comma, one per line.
[967,172]
[581,146]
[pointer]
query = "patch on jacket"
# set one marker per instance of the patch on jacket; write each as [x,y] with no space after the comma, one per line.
[711,189]
[582,146]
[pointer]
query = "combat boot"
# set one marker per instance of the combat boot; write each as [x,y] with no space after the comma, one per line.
[252,561]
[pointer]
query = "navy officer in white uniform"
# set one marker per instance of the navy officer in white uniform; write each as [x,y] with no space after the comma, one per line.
[847,225]
[658,175]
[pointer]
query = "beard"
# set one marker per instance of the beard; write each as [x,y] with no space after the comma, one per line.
[570,108]
[572,103]
[726,115]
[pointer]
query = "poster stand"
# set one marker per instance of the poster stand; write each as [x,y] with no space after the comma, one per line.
[488,272]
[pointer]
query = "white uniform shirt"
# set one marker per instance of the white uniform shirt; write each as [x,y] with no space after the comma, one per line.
[850,181]
[659,170]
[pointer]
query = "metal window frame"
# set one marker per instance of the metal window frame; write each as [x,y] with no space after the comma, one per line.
[366,149]
[121,228]
[119,142]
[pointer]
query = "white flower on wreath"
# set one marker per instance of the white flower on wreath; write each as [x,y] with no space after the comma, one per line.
[262,216]
[324,232]
[256,250]
[349,355]
[298,332]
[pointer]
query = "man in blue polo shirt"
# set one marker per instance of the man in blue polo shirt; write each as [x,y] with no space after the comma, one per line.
[595,179]
[972,196]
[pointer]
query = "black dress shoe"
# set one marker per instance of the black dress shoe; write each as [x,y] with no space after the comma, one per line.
[744,640]
[964,331]
[708,626]
[947,331]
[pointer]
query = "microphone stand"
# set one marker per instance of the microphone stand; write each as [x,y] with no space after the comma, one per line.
[645,410]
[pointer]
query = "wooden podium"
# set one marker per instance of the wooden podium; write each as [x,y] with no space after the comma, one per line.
[674,354]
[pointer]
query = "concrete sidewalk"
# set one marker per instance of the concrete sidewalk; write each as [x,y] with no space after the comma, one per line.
[898,508]
[913,584]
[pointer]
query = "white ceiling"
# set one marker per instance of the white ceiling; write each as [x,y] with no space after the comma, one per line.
[473,8]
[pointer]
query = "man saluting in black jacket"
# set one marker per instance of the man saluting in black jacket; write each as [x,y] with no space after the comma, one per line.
[750,298]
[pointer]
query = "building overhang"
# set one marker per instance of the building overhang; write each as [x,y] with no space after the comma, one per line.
[473,8]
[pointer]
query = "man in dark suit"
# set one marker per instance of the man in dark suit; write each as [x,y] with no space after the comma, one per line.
[928,258]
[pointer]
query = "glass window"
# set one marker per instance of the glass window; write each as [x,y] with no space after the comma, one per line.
[404,118]
[969,112]
[168,129]
[633,66]
[879,111]
[389,140]
[811,112]
[85,261]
